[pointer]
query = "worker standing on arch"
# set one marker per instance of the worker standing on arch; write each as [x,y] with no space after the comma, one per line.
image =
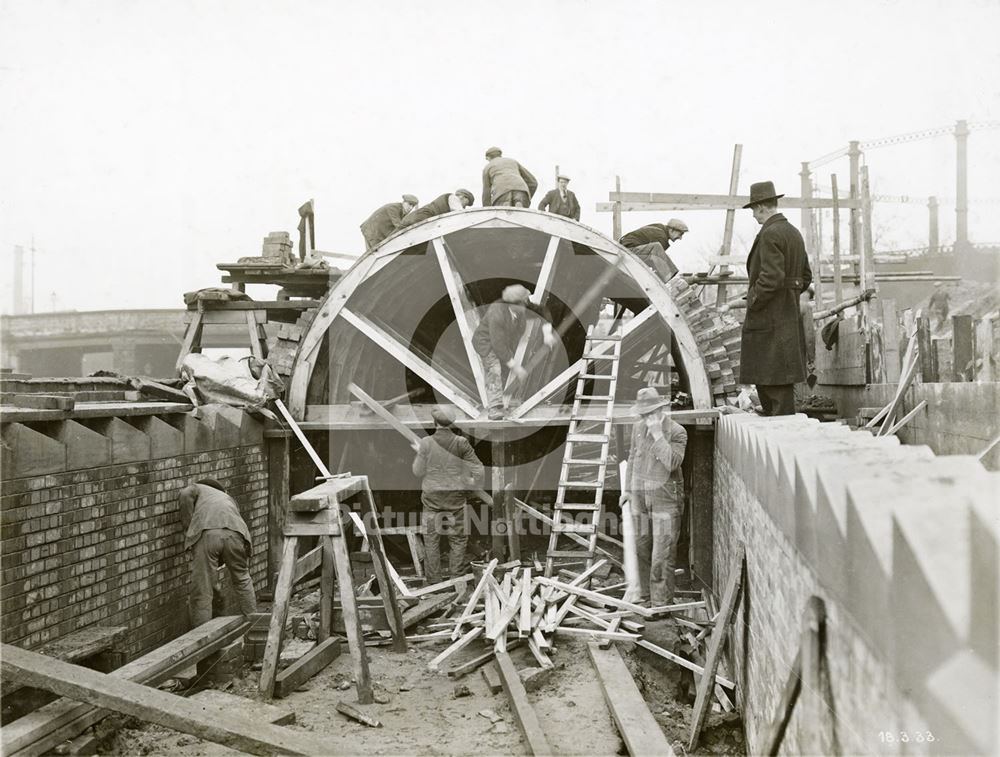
[506,182]
[561,201]
[651,242]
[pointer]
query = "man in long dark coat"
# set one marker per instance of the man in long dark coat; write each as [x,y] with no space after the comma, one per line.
[386,220]
[561,201]
[773,347]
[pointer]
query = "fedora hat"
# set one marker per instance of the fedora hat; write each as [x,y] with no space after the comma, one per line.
[647,400]
[760,192]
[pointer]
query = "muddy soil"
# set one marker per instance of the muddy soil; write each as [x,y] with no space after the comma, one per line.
[423,715]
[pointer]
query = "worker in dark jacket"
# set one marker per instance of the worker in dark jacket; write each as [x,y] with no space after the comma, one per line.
[654,487]
[386,220]
[561,201]
[651,243]
[448,467]
[506,182]
[773,345]
[460,199]
[497,337]
[215,534]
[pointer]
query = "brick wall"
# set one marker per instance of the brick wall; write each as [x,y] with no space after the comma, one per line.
[902,547]
[103,544]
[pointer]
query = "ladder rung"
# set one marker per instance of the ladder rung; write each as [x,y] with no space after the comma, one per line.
[598,376]
[569,553]
[604,397]
[578,461]
[604,338]
[581,484]
[581,506]
[587,438]
[600,356]
[575,528]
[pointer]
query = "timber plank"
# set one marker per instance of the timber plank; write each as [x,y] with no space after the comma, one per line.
[45,728]
[524,713]
[308,665]
[715,645]
[155,706]
[636,725]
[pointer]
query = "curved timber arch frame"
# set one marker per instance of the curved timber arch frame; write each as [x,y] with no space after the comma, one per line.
[335,305]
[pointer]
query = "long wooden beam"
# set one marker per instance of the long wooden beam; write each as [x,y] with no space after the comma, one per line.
[465,314]
[524,713]
[537,297]
[412,361]
[155,706]
[636,725]
[42,730]
[672,201]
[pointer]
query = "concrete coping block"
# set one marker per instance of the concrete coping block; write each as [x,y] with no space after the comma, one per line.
[128,443]
[27,452]
[225,424]
[964,689]
[165,440]
[984,529]
[85,448]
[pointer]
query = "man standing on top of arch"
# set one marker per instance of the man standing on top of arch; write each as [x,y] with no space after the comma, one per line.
[773,343]
[651,243]
[506,182]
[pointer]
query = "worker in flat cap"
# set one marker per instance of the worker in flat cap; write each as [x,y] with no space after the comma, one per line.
[215,534]
[497,336]
[448,467]
[773,342]
[654,488]
[506,182]
[386,220]
[560,200]
[651,243]
[460,199]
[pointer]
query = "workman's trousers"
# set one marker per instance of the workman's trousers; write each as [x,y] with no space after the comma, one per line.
[513,199]
[494,383]
[219,546]
[777,399]
[451,524]
[656,257]
[656,517]
[370,240]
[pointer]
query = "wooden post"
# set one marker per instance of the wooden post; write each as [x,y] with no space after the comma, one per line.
[984,350]
[963,348]
[278,492]
[701,454]
[925,348]
[727,233]
[933,239]
[854,155]
[501,525]
[961,185]
[890,341]
[616,214]
[809,229]
[838,283]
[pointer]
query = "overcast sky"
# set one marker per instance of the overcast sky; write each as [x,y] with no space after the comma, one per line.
[142,142]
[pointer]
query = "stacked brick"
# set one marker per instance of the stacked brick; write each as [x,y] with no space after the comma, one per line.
[718,340]
[102,543]
[278,247]
[902,546]
[285,343]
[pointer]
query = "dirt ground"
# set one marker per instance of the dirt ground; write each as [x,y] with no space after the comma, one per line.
[423,715]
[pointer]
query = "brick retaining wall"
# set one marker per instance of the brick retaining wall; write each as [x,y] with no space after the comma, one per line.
[902,547]
[90,523]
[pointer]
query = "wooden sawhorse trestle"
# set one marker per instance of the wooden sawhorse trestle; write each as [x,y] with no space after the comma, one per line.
[316,513]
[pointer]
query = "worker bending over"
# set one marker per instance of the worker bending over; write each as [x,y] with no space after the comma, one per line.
[497,336]
[506,182]
[448,467]
[654,486]
[386,220]
[651,243]
[215,534]
[460,199]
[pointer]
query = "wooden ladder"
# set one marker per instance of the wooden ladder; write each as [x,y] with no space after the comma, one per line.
[585,459]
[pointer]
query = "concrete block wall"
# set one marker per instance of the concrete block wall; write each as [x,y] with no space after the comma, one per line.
[900,544]
[90,523]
